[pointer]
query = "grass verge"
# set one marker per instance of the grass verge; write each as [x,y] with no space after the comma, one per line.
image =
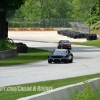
[33,55]
[95,43]
[7,93]
[87,93]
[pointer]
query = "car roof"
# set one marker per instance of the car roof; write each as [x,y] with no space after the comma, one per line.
[64,40]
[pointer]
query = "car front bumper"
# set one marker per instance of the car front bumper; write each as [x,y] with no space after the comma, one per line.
[58,59]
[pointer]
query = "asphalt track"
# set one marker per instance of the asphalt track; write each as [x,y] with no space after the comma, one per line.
[86,60]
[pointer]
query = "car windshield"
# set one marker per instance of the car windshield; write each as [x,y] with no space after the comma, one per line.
[60,52]
[65,42]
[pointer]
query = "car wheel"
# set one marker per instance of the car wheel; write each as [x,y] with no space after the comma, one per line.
[49,61]
[58,47]
[70,61]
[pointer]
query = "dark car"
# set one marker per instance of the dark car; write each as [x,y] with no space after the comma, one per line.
[60,55]
[64,44]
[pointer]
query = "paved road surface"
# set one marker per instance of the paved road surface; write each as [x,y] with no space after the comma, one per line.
[86,61]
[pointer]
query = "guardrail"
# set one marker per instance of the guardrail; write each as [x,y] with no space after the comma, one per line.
[62,93]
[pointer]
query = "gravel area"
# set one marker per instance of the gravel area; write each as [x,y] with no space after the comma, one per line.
[46,36]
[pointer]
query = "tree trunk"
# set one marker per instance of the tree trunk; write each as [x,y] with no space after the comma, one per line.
[3,25]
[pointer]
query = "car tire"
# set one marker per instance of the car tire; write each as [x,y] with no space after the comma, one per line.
[49,61]
[70,61]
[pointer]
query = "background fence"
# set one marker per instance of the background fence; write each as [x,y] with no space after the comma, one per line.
[76,25]
[21,22]
[80,27]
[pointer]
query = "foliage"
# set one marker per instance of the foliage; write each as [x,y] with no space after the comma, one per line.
[10,4]
[87,10]
[95,26]
[87,93]
[57,9]
[6,45]
[45,9]
[92,20]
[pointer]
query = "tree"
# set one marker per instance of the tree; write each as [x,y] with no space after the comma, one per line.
[5,6]
[86,9]
[45,9]
[31,9]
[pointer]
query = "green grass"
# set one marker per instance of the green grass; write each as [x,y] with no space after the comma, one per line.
[6,45]
[87,93]
[33,55]
[95,43]
[95,26]
[13,95]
